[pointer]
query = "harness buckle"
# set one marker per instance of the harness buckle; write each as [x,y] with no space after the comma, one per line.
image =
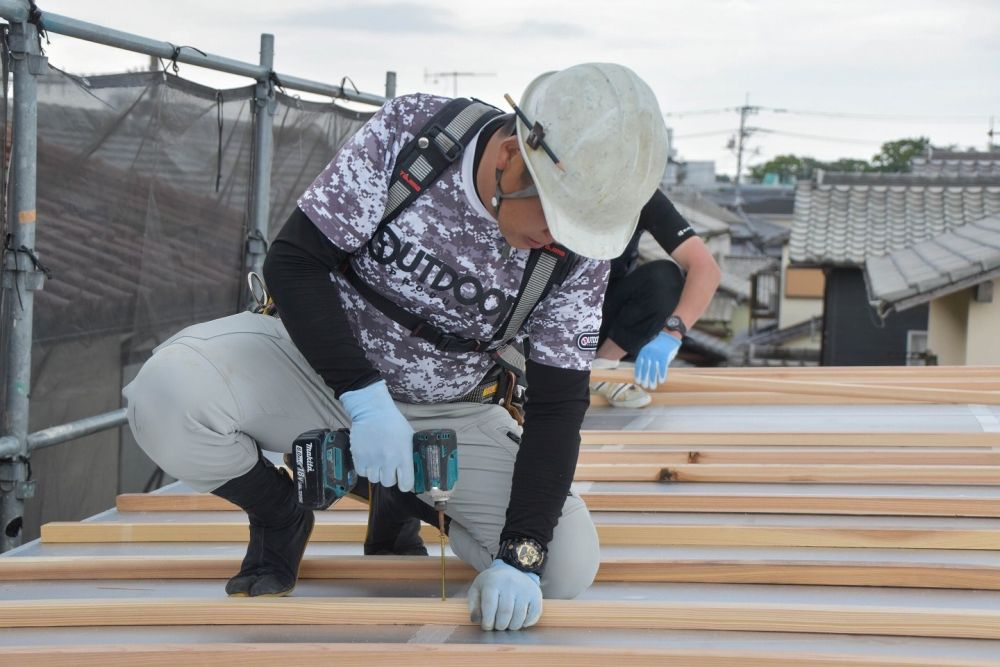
[452,153]
[446,342]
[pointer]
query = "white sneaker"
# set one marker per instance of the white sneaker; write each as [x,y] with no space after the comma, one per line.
[601,364]
[622,394]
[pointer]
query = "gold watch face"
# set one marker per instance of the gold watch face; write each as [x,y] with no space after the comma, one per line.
[528,555]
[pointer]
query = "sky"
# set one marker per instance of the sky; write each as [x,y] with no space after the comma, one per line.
[848,74]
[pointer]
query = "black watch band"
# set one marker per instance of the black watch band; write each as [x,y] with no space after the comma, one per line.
[675,323]
[524,553]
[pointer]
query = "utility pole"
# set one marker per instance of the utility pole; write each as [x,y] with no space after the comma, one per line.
[744,133]
[989,133]
[434,76]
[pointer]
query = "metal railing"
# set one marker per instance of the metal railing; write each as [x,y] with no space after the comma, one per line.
[20,272]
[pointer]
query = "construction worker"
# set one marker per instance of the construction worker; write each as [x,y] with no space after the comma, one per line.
[650,307]
[576,167]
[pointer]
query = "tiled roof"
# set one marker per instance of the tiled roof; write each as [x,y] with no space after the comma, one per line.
[737,271]
[709,344]
[939,266]
[952,163]
[777,336]
[844,219]
[756,198]
[708,219]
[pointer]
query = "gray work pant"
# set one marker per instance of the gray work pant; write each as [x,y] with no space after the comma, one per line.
[214,392]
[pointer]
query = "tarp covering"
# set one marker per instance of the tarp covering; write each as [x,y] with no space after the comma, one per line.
[144,183]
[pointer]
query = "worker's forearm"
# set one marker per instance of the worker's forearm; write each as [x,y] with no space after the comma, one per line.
[700,285]
[550,445]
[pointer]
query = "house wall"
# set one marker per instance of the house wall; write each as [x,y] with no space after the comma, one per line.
[740,318]
[983,346]
[947,328]
[795,310]
[853,335]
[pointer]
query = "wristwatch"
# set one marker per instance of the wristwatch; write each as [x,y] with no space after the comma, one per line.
[675,323]
[524,553]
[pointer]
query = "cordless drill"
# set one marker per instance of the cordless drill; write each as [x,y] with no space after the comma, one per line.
[324,470]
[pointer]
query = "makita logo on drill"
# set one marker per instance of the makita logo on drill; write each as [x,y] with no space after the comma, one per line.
[587,341]
[310,458]
[387,249]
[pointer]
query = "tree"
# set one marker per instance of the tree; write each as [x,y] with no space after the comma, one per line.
[847,164]
[786,167]
[895,156]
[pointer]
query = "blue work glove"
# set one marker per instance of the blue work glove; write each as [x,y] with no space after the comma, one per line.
[381,438]
[654,358]
[504,598]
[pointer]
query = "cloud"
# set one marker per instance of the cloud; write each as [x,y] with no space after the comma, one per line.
[549,29]
[396,17]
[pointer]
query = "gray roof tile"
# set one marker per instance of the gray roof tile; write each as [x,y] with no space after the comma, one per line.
[964,256]
[844,219]
[958,163]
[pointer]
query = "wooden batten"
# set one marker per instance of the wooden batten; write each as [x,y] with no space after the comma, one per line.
[886,505]
[829,618]
[793,439]
[801,571]
[449,655]
[633,534]
[787,390]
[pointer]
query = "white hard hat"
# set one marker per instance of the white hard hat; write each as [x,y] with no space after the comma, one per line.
[603,123]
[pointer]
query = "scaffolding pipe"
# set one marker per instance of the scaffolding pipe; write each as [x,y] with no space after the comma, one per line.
[263,152]
[56,435]
[20,273]
[16,10]
[21,278]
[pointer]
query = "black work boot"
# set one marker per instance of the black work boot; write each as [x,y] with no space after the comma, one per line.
[394,520]
[279,531]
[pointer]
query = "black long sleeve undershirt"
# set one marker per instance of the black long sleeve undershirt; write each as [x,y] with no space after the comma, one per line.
[550,445]
[297,272]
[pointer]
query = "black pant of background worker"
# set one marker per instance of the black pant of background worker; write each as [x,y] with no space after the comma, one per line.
[635,307]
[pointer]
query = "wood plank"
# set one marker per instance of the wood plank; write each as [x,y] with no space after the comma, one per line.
[202,502]
[965,623]
[851,504]
[749,398]
[780,473]
[633,534]
[793,455]
[303,654]
[801,571]
[912,373]
[793,439]
[828,389]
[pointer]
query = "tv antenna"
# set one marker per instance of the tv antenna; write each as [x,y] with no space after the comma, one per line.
[434,77]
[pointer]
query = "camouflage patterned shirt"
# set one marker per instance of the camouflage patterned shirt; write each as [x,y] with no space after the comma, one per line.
[442,259]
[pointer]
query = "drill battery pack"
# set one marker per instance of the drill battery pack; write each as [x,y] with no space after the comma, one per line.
[435,459]
[324,469]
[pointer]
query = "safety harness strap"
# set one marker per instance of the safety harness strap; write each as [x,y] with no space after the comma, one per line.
[438,144]
[421,161]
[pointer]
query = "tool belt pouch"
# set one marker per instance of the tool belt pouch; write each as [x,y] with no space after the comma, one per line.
[512,383]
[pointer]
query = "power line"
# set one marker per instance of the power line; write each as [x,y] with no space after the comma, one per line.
[699,112]
[819,137]
[695,135]
[927,118]
[967,118]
